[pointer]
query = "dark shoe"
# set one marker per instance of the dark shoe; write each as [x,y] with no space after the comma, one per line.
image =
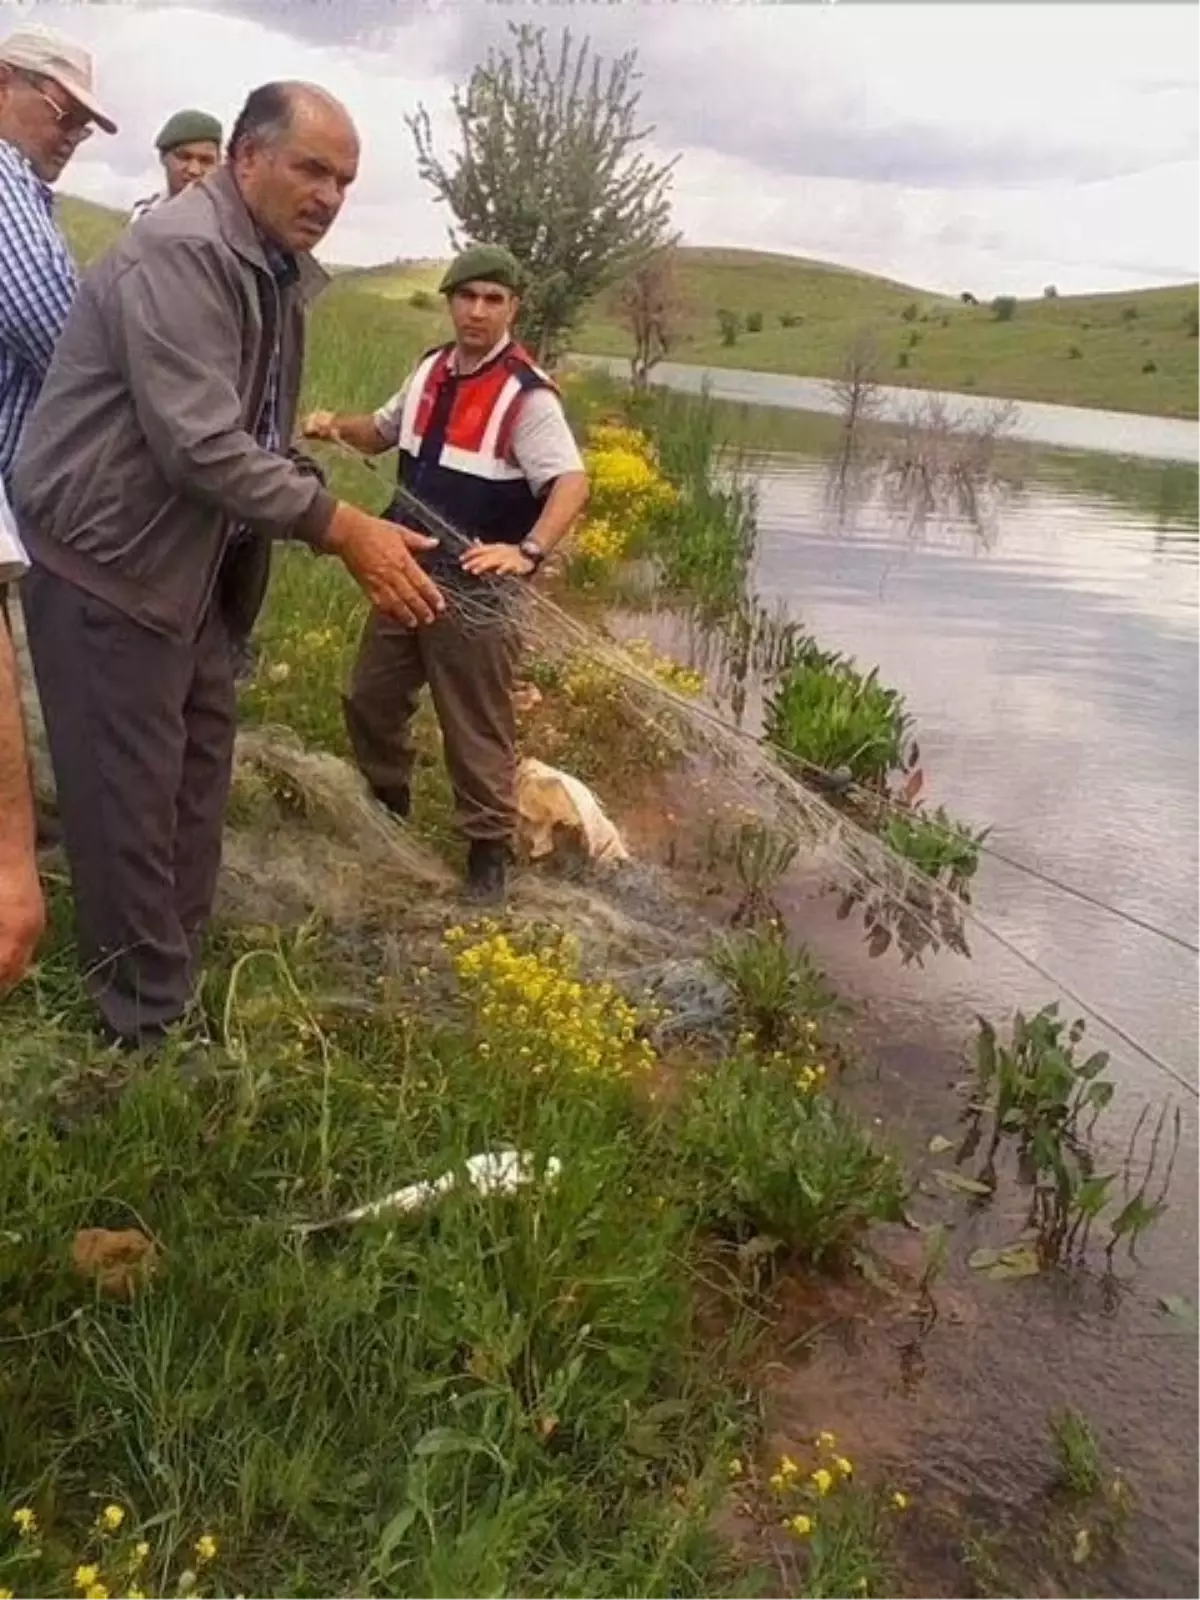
[487,871]
[398,800]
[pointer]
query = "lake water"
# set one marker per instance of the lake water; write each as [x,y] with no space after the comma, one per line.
[1052,672]
[1053,677]
[1062,427]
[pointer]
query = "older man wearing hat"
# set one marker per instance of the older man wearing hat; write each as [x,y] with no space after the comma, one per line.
[48,107]
[485,446]
[189,147]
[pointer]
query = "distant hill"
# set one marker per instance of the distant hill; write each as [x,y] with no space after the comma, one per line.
[1134,351]
[89,228]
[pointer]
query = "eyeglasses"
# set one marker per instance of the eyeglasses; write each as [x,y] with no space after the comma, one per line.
[74,120]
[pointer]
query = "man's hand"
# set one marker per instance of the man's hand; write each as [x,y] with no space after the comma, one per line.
[379,557]
[320,425]
[22,916]
[496,560]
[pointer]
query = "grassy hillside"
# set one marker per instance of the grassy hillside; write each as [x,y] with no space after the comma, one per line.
[1135,351]
[1084,350]
[89,228]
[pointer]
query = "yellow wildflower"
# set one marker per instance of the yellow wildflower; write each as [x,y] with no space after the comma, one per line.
[134,1594]
[823,1480]
[206,1547]
[111,1518]
[141,1550]
[800,1525]
[6,1594]
[96,1591]
[846,1468]
[25,1521]
[788,1467]
[86,1576]
[735,1466]
[826,1440]
[900,1500]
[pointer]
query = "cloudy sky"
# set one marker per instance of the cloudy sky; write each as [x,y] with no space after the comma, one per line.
[995,147]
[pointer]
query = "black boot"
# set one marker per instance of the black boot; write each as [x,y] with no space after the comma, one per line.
[398,800]
[487,871]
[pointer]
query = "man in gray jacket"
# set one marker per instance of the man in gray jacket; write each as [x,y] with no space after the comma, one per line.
[148,477]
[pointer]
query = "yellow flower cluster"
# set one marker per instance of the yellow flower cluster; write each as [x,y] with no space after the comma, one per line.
[617,436]
[588,681]
[623,478]
[673,674]
[600,540]
[110,1572]
[626,489]
[800,1491]
[531,1007]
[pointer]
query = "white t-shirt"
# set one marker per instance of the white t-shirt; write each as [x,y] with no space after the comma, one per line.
[543,445]
[13,560]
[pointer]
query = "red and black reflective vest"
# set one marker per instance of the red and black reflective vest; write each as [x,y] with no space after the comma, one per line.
[455,438]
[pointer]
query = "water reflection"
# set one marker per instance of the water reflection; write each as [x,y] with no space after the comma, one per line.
[1053,678]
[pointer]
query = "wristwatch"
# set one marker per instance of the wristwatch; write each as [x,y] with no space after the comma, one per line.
[532,551]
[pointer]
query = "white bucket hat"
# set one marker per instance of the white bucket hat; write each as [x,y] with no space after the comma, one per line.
[69,65]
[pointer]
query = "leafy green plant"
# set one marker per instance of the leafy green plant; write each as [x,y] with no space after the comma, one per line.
[943,849]
[1037,1095]
[790,319]
[729,326]
[770,1160]
[1004,307]
[761,856]
[754,322]
[776,989]
[422,300]
[825,711]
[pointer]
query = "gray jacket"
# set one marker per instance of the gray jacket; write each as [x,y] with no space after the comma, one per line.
[139,459]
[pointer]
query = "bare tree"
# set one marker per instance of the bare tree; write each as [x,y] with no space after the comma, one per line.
[649,302]
[550,165]
[927,461]
[857,394]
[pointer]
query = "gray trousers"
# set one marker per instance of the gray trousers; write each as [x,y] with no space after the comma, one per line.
[141,729]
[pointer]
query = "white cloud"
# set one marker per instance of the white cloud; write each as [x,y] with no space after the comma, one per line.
[996,148]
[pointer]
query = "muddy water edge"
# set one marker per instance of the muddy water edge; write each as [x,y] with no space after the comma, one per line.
[1052,677]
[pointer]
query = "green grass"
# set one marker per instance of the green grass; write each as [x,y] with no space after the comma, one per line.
[89,228]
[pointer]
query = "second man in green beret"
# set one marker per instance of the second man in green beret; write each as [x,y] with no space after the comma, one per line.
[189,147]
[485,451]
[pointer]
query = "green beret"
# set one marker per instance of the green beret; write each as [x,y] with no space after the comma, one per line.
[188,127]
[483,263]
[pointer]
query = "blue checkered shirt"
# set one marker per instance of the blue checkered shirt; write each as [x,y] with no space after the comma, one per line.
[38,282]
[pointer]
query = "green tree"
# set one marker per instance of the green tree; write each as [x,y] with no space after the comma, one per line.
[550,163]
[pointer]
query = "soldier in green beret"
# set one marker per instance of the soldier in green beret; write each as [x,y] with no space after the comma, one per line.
[189,147]
[485,447]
